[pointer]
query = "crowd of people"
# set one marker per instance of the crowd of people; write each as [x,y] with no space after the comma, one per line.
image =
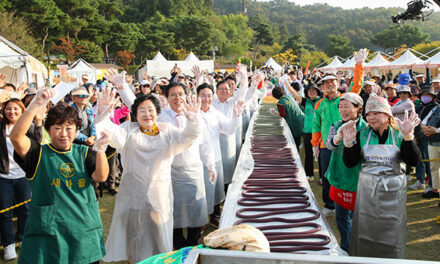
[172,145]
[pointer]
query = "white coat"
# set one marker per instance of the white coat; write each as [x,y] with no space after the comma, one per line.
[142,223]
[228,142]
[188,178]
[217,123]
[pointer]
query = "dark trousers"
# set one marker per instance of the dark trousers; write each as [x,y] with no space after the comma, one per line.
[343,219]
[308,148]
[423,167]
[325,155]
[192,239]
[19,191]
[112,156]
[297,141]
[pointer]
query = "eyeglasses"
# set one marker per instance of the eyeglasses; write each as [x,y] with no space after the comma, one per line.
[82,96]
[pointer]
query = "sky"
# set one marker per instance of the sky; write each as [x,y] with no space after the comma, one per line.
[351,4]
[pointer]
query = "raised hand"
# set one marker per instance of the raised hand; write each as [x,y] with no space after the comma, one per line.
[163,102]
[21,90]
[42,97]
[197,72]
[5,96]
[118,79]
[238,108]
[408,124]
[106,101]
[360,56]
[349,132]
[3,81]
[192,107]
[102,143]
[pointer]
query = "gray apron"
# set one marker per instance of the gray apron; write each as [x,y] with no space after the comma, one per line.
[379,222]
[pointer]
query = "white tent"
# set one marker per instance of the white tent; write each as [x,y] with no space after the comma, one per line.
[377,62]
[434,62]
[192,57]
[80,67]
[19,66]
[404,61]
[159,57]
[332,65]
[162,68]
[347,65]
[272,63]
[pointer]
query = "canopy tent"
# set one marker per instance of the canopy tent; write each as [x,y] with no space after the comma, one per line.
[347,65]
[80,67]
[332,65]
[159,57]
[377,61]
[19,66]
[192,57]
[272,63]
[404,61]
[434,62]
[162,67]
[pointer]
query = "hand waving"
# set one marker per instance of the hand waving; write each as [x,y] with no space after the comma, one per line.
[349,132]
[360,56]
[408,124]
[118,79]
[192,107]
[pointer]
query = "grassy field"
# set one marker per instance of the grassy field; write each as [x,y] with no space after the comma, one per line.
[423,233]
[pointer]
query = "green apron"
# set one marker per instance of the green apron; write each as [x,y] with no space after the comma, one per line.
[64,223]
[339,175]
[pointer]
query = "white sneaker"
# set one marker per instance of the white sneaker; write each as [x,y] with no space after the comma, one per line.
[408,177]
[9,252]
[417,185]
[428,189]
[328,212]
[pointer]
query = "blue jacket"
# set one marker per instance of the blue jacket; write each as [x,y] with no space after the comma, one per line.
[83,134]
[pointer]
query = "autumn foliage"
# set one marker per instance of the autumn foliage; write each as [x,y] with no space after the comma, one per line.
[124,58]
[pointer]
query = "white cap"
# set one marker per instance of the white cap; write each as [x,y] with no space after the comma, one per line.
[370,83]
[143,82]
[420,75]
[436,81]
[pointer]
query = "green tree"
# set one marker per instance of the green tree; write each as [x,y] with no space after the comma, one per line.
[90,52]
[193,33]
[339,45]
[315,58]
[18,31]
[45,18]
[295,43]
[264,35]
[393,37]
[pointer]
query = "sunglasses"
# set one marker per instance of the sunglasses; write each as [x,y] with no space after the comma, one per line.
[82,96]
[146,85]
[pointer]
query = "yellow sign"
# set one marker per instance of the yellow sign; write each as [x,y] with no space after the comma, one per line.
[67,170]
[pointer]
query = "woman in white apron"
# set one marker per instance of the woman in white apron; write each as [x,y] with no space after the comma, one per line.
[379,222]
[142,223]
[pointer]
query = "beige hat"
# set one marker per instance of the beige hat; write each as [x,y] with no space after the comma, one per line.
[240,237]
[353,98]
[80,91]
[378,104]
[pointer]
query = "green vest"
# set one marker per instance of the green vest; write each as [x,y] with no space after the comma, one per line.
[64,223]
[294,116]
[326,114]
[309,113]
[339,175]
[374,140]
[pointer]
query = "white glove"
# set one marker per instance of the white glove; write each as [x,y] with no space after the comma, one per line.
[349,133]
[408,124]
[316,152]
[238,108]
[361,56]
[106,102]
[118,80]
[212,172]
[337,139]
[102,143]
